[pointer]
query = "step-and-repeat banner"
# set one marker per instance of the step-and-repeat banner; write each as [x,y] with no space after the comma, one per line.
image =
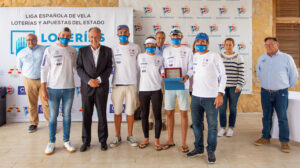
[220,19]
[46,23]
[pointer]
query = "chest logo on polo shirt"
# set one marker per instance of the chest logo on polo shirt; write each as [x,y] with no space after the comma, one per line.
[131,52]
[156,62]
[204,61]
[182,54]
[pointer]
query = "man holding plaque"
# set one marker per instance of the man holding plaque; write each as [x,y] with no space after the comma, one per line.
[178,61]
[209,82]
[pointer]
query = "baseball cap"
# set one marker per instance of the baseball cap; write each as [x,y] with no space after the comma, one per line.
[202,36]
[123,27]
[175,32]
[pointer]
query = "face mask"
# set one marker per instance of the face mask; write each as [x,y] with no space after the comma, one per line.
[201,48]
[176,41]
[150,50]
[123,39]
[64,41]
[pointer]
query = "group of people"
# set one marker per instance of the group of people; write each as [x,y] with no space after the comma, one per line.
[216,80]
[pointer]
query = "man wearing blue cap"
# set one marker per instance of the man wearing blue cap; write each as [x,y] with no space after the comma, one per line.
[124,83]
[208,89]
[178,56]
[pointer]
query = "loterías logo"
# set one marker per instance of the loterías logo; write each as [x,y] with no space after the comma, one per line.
[222,10]
[241,46]
[147,9]
[195,28]
[232,28]
[10,90]
[213,28]
[221,47]
[241,10]
[12,108]
[78,90]
[81,109]
[176,26]
[26,111]
[204,10]
[14,72]
[138,27]
[166,10]
[185,10]
[156,28]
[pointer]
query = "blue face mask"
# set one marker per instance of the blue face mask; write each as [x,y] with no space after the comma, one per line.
[64,41]
[123,39]
[176,41]
[150,50]
[201,48]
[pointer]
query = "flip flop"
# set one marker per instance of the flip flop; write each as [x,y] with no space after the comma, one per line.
[158,147]
[142,146]
[185,149]
[167,146]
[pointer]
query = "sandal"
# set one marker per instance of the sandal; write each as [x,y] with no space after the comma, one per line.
[143,145]
[167,146]
[185,149]
[158,147]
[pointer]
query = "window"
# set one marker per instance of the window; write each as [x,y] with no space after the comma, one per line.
[287,20]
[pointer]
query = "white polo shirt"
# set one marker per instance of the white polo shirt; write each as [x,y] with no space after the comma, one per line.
[57,67]
[125,63]
[149,68]
[209,75]
[181,57]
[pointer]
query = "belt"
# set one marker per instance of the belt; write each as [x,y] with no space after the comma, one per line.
[272,91]
[121,85]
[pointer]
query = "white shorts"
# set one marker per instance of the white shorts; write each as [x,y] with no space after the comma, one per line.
[129,93]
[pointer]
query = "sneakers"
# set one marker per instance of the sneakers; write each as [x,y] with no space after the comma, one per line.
[229,132]
[195,153]
[50,149]
[69,147]
[32,128]
[115,142]
[221,132]
[132,141]
[262,141]
[285,147]
[211,157]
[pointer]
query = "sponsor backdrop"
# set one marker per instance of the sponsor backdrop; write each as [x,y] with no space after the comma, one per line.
[46,23]
[218,18]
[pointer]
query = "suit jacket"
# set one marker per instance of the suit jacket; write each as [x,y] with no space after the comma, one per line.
[87,70]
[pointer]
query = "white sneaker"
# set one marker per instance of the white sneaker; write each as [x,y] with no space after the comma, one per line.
[69,147]
[50,149]
[132,141]
[115,142]
[221,132]
[229,132]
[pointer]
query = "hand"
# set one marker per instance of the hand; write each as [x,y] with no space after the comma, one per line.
[219,100]
[237,90]
[185,78]
[162,75]
[45,95]
[94,83]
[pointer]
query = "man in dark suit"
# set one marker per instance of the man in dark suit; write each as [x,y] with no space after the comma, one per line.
[94,66]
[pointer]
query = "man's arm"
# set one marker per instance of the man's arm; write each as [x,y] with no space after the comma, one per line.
[292,72]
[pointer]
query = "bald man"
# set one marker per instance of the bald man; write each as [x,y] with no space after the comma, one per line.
[29,63]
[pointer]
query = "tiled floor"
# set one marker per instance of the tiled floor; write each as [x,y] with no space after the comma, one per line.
[19,149]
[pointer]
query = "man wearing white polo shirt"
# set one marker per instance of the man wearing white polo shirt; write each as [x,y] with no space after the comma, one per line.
[209,82]
[178,56]
[57,78]
[124,83]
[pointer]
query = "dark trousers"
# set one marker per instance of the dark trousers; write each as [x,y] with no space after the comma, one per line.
[156,98]
[279,101]
[233,98]
[88,102]
[199,105]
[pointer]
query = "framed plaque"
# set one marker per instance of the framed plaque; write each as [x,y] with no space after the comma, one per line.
[173,73]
